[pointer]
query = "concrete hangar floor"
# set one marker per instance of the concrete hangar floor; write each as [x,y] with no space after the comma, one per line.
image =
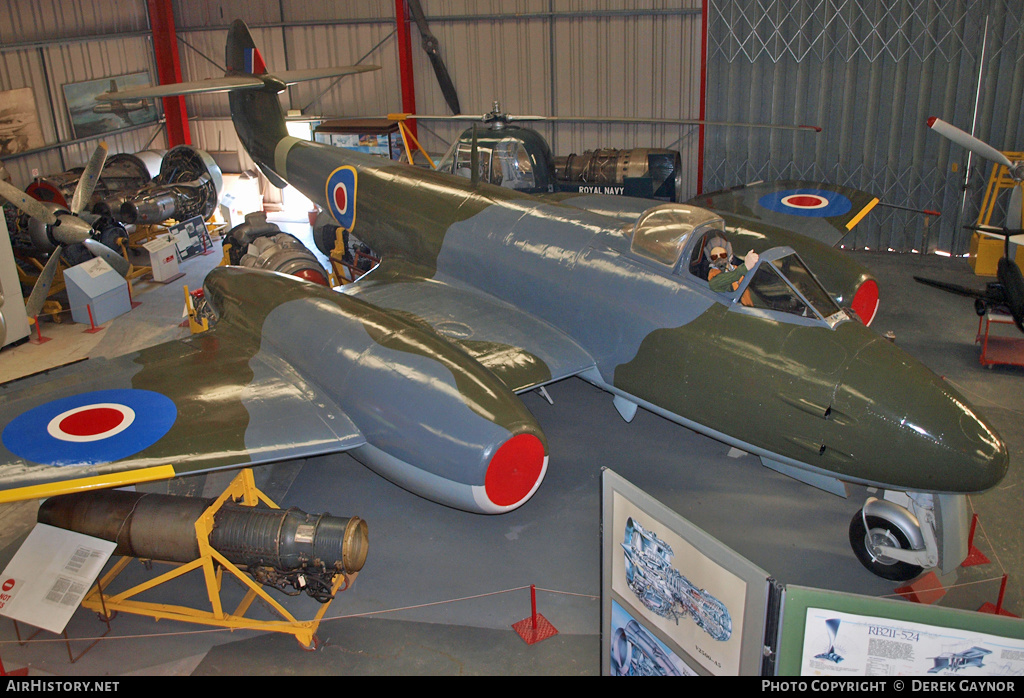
[441,588]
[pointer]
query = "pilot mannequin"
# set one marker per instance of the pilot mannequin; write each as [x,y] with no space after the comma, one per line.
[723,275]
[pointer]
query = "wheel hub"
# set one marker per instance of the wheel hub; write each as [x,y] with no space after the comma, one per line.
[877,537]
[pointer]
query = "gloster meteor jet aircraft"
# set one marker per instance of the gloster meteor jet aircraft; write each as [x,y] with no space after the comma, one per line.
[484,293]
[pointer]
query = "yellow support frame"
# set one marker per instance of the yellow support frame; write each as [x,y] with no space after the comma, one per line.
[998,180]
[407,137]
[213,565]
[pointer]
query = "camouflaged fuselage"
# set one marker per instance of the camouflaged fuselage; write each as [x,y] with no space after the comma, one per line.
[839,400]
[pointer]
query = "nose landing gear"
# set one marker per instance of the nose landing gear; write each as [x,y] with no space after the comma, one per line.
[901,535]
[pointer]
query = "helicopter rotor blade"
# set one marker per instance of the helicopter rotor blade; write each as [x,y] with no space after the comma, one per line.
[43,283]
[432,48]
[90,176]
[108,255]
[26,204]
[610,120]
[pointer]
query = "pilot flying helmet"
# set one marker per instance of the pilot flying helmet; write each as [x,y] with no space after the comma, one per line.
[719,252]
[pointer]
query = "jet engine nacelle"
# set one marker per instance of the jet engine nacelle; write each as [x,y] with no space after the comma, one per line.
[435,421]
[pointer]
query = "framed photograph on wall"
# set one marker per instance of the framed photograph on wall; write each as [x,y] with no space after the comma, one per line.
[19,122]
[91,118]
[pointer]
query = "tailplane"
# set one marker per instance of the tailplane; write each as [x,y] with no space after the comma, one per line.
[255,108]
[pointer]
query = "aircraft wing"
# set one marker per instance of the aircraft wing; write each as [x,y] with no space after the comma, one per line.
[204,403]
[523,351]
[825,212]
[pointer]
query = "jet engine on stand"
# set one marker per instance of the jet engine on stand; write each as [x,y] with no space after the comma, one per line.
[261,245]
[285,549]
[189,184]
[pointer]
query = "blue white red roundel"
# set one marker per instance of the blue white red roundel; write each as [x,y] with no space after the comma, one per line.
[341,196]
[97,427]
[814,203]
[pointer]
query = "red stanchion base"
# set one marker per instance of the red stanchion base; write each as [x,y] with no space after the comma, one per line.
[38,338]
[927,590]
[989,607]
[974,557]
[93,330]
[532,635]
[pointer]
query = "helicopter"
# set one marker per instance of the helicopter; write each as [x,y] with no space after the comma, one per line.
[518,157]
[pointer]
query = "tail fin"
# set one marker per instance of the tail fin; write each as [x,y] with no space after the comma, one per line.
[255,108]
[257,114]
[242,55]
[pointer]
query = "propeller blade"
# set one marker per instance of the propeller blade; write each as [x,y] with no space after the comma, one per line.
[108,255]
[437,117]
[90,176]
[26,204]
[431,46]
[42,288]
[451,97]
[966,140]
[1013,209]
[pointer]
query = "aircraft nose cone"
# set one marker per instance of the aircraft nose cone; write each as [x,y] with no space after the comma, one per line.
[911,430]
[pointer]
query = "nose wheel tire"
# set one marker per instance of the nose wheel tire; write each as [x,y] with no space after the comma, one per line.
[865,542]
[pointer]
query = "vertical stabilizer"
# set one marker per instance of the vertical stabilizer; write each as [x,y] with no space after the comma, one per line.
[257,114]
[242,54]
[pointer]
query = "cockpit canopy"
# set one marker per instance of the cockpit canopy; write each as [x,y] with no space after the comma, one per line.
[782,282]
[661,233]
[668,234]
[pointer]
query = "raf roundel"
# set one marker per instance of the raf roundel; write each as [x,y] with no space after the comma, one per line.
[341,196]
[813,203]
[91,428]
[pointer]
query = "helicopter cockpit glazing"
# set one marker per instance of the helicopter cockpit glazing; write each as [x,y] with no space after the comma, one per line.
[504,163]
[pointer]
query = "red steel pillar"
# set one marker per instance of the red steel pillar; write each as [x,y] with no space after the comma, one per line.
[405,63]
[168,68]
[703,93]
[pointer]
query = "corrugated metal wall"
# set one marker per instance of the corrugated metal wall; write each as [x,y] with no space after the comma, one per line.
[548,57]
[870,74]
[45,44]
[571,58]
